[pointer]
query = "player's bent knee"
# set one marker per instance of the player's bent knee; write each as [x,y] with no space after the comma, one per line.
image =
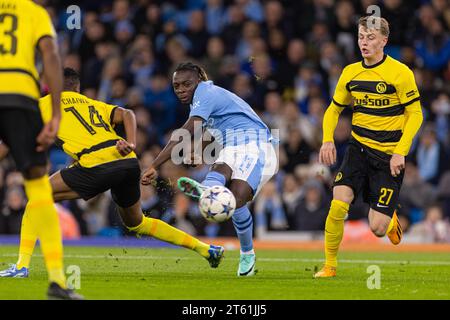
[343,193]
[35,172]
[378,229]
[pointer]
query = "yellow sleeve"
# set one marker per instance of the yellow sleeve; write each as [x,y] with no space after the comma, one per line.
[330,121]
[45,106]
[42,24]
[407,88]
[410,98]
[341,99]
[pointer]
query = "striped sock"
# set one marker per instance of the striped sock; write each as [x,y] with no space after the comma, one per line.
[214,178]
[243,224]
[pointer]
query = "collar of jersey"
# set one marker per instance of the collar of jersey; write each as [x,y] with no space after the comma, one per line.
[376,64]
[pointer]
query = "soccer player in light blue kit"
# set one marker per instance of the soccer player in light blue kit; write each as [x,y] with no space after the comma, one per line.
[246,161]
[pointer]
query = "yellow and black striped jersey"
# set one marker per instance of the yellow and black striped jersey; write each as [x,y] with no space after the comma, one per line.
[381,96]
[86,131]
[22,24]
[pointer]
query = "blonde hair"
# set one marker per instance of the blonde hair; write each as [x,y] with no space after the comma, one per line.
[377,23]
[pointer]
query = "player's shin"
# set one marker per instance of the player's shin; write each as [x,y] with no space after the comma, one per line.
[162,231]
[334,231]
[243,224]
[43,218]
[28,239]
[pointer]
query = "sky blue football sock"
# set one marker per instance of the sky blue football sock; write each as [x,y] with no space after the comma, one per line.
[243,224]
[214,178]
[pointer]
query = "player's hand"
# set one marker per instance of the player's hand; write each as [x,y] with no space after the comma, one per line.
[327,154]
[397,164]
[149,175]
[124,147]
[47,135]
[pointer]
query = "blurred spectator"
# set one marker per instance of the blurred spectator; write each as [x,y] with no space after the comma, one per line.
[215,16]
[213,61]
[250,31]
[287,67]
[434,228]
[345,28]
[12,211]
[297,150]
[443,193]
[269,211]
[274,19]
[112,69]
[431,155]
[243,88]
[196,34]
[400,23]
[311,212]
[233,28]
[161,101]
[434,48]
[291,194]
[415,194]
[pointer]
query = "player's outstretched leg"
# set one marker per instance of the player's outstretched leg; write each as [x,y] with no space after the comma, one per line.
[162,231]
[395,231]
[334,230]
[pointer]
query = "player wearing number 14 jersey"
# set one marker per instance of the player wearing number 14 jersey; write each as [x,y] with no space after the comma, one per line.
[103,161]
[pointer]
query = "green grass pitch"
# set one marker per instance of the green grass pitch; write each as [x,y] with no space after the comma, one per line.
[166,273]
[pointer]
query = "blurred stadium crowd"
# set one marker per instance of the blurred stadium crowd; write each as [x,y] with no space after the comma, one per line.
[284,58]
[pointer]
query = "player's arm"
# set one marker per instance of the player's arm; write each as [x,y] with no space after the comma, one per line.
[341,99]
[128,119]
[409,96]
[53,76]
[189,129]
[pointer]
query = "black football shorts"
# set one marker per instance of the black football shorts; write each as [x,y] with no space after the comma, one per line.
[19,128]
[121,176]
[370,176]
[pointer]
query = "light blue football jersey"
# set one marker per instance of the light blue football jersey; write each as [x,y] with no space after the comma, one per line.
[229,118]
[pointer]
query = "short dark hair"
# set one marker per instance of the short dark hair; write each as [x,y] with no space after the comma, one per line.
[189,66]
[71,79]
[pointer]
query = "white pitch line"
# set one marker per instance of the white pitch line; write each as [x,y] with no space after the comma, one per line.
[353,261]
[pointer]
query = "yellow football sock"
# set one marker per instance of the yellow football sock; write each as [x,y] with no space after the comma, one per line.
[162,231]
[391,224]
[28,239]
[334,230]
[43,218]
